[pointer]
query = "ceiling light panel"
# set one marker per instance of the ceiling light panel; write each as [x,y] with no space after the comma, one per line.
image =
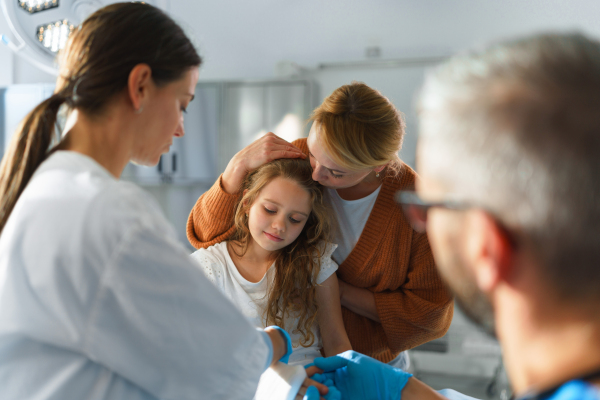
[34,6]
[53,36]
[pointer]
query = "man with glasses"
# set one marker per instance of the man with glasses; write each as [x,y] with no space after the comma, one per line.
[509,159]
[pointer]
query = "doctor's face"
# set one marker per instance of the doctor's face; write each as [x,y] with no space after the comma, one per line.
[164,117]
[278,214]
[447,231]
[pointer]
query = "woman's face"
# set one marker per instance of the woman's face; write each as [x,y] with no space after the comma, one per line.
[163,117]
[325,170]
[278,214]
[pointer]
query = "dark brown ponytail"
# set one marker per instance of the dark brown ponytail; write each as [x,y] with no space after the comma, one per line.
[28,148]
[95,67]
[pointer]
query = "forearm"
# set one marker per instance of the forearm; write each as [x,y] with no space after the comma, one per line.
[417,390]
[333,333]
[233,176]
[279,344]
[211,219]
[359,300]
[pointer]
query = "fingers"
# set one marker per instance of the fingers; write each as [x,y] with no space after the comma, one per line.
[330,363]
[323,389]
[312,369]
[288,154]
[312,392]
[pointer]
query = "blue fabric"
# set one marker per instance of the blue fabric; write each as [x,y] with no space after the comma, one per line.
[575,390]
[357,376]
[288,341]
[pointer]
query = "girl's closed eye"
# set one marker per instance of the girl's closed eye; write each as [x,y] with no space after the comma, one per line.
[269,210]
[294,221]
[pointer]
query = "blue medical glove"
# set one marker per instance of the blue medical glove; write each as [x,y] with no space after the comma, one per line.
[312,393]
[357,376]
[327,380]
[288,341]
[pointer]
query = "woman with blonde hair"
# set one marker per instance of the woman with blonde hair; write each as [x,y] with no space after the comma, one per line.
[391,295]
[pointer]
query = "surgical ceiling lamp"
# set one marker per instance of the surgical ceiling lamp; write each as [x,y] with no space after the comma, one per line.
[41,27]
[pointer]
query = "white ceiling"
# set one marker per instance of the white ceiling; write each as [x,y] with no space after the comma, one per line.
[246,38]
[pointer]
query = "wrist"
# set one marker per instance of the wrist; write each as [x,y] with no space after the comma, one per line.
[282,343]
[232,177]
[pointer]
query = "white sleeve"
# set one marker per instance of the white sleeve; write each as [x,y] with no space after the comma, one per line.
[208,265]
[158,322]
[328,266]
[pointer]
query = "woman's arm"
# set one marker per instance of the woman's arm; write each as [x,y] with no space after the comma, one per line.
[211,220]
[329,316]
[358,300]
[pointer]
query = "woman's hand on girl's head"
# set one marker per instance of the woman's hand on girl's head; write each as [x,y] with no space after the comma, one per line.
[263,150]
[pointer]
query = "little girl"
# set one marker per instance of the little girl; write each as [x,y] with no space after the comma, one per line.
[277,268]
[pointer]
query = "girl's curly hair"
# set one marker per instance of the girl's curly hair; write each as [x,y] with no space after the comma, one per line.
[296,265]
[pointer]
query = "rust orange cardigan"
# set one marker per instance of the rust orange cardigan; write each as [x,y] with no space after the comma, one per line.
[390,259]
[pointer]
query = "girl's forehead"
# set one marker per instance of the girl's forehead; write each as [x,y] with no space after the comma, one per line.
[286,193]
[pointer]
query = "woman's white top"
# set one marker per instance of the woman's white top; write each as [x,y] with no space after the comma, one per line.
[349,220]
[251,298]
[98,300]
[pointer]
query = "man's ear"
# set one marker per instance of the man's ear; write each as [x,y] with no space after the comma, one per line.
[138,85]
[490,250]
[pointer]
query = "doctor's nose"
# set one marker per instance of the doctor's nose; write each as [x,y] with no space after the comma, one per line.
[180,131]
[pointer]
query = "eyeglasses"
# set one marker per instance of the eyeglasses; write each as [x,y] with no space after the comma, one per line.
[415,208]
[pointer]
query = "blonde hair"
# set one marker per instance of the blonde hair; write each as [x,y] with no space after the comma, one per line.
[360,128]
[296,265]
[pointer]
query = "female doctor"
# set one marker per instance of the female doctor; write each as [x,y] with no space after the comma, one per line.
[98,299]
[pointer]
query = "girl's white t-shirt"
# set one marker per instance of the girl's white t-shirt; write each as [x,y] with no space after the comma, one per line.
[251,298]
[350,218]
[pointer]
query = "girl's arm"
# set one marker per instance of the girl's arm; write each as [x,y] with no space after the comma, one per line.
[334,336]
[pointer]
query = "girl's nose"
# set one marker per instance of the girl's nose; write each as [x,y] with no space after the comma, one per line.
[279,224]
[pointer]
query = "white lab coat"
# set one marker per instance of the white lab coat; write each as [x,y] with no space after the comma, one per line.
[98,300]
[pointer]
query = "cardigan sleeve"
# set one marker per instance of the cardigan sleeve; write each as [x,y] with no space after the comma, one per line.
[421,309]
[211,219]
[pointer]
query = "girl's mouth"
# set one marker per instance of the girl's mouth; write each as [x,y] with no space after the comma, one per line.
[273,237]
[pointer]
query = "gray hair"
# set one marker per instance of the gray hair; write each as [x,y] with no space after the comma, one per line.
[515,128]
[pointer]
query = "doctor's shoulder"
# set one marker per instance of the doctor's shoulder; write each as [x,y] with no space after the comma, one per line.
[213,262]
[123,209]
